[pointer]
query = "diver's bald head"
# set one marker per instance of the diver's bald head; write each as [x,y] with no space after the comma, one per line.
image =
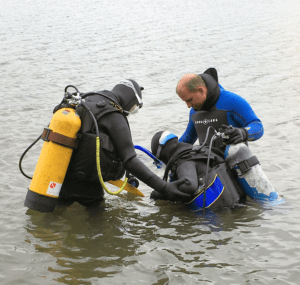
[192,89]
[189,83]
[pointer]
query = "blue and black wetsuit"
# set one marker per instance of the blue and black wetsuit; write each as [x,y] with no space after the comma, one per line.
[235,110]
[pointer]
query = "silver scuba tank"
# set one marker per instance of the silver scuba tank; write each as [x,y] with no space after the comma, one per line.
[249,172]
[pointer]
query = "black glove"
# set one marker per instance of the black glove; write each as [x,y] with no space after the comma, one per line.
[157,196]
[236,135]
[171,192]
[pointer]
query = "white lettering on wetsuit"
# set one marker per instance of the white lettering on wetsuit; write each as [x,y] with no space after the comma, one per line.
[206,121]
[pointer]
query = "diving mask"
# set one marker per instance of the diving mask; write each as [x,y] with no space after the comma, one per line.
[137,106]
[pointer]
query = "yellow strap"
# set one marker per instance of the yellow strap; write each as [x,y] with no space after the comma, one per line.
[99,171]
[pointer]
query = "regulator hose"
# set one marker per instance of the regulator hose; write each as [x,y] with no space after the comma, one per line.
[207,168]
[215,136]
[98,155]
[22,156]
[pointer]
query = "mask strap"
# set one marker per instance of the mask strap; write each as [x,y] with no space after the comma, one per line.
[128,83]
[165,136]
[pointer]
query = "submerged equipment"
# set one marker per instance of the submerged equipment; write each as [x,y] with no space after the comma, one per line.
[216,178]
[60,140]
[246,169]
[249,172]
[239,173]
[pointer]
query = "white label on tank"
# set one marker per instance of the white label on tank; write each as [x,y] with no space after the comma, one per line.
[54,188]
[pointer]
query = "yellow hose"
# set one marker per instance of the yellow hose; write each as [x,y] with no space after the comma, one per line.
[99,171]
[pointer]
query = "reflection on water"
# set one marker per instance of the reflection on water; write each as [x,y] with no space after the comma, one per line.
[89,246]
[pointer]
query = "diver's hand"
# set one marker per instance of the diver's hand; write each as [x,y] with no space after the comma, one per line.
[157,196]
[236,135]
[171,192]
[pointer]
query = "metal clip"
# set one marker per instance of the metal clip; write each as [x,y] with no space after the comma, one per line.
[45,134]
[74,100]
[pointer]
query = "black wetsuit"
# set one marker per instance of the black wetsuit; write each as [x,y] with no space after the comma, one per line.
[81,183]
[185,162]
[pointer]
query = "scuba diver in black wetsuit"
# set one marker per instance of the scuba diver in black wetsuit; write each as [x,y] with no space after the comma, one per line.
[189,163]
[110,108]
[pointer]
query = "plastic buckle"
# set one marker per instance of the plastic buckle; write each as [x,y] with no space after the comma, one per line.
[242,167]
[45,134]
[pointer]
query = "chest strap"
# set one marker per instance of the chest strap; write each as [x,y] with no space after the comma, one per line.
[49,135]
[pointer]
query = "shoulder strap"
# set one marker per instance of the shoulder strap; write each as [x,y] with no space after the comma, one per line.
[114,103]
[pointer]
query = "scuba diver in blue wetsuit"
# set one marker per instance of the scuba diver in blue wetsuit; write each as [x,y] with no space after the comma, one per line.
[215,109]
[212,105]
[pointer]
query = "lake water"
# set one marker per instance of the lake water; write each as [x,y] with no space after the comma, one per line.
[46,45]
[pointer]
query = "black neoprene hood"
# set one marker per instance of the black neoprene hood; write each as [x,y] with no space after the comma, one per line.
[210,78]
[126,95]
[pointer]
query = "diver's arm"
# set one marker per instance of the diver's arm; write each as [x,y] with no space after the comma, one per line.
[118,130]
[120,135]
[190,134]
[188,173]
[255,130]
[167,190]
[143,173]
[241,114]
[187,170]
[253,125]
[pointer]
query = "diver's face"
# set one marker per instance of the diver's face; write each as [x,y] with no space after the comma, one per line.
[194,99]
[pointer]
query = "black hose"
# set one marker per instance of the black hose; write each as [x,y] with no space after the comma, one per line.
[208,159]
[87,108]
[72,87]
[206,173]
[206,136]
[21,158]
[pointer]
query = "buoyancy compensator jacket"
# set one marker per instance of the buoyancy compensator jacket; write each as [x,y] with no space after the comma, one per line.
[82,178]
[219,175]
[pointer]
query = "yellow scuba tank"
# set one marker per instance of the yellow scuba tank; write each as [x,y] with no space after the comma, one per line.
[60,140]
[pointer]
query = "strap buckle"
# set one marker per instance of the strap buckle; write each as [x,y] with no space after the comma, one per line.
[45,134]
[245,165]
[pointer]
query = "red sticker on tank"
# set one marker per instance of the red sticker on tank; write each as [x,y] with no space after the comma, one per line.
[54,188]
[53,185]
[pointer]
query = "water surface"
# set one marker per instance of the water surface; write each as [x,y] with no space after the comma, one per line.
[254,45]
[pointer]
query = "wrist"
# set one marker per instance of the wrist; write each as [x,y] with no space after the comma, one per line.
[246,135]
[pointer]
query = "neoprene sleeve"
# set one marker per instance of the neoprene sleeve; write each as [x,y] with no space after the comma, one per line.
[120,135]
[143,173]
